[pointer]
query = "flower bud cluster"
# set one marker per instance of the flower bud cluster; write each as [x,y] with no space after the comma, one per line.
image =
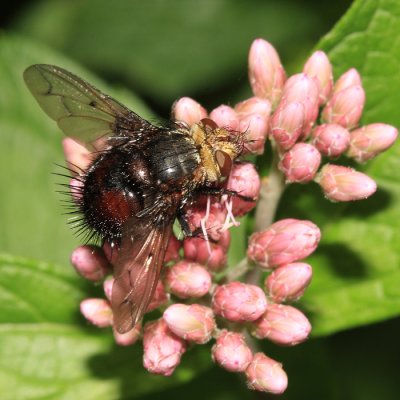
[308,118]
[302,143]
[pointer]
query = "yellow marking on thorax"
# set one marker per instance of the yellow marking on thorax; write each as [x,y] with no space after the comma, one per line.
[210,170]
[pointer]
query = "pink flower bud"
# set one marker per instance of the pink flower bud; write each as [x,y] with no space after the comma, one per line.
[300,163]
[212,255]
[239,302]
[188,110]
[319,68]
[75,154]
[162,349]
[345,107]
[225,117]
[283,242]
[128,338]
[97,311]
[266,73]
[111,252]
[244,180]
[284,325]
[107,287]
[370,140]
[287,123]
[344,184]
[349,78]
[231,352]
[76,186]
[256,128]
[160,297]
[330,139]
[254,105]
[90,262]
[266,375]
[187,279]
[288,282]
[172,253]
[302,89]
[212,218]
[193,322]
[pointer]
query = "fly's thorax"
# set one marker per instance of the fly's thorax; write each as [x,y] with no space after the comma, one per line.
[218,148]
[173,157]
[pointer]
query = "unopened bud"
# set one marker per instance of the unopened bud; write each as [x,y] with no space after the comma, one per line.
[287,123]
[76,155]
[319,67]
[300,163]
[193,322]
[188,110]
[370,140]
[225,117]
[253,105]
[97,311]
[239,302]
[187,279]
[110,251]
[245,181]
[345,107]
[266,73]
[283,242]
[266,375]
[107,287]
[255,127]
[76,188]
[303,89]
[162,348]
[331,139]
[288,282]
[211,218]
[344,184]
[160,297]
[349,78]
[282,324]
[90,262]
[128,338]
[212,255]
[231,352]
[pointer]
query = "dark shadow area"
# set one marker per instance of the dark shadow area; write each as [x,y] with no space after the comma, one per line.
[308,202]
[125,364]
[343,262]
[357,364]
[378,202]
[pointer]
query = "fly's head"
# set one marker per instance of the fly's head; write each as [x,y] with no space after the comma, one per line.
[218,148]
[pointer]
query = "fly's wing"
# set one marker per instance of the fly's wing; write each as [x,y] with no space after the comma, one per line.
[137,270]
[82,112]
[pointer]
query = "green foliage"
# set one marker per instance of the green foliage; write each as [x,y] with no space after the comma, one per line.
[357,267]
[46,349]
[167,49]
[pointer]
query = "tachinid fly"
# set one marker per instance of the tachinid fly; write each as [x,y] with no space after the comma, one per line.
[139,181]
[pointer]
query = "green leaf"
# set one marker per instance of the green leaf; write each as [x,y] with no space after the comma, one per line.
[357,279]
[30,209]
[169,49]
[47,351]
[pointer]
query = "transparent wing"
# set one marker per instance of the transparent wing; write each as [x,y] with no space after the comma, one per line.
[82,112]
[137,270]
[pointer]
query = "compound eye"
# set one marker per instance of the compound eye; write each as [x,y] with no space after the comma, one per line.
[224,162]
[209,123]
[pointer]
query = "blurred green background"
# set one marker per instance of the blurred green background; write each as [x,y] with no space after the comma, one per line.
[150,53]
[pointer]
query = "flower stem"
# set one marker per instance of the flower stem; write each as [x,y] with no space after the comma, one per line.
[271,191]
